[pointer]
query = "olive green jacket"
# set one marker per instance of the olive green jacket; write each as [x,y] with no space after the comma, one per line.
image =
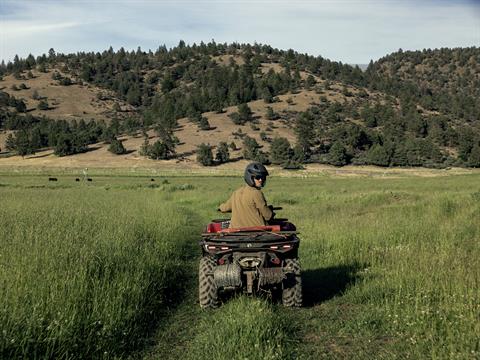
[248,207]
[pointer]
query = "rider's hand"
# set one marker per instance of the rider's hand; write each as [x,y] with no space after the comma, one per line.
[273,212]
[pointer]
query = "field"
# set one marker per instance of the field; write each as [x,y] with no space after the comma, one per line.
[107,269]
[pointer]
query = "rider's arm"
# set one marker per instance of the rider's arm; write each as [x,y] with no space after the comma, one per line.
[262,206]
[226,206]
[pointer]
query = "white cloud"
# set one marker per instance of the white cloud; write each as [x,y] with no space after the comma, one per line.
[348,31]
[21,28]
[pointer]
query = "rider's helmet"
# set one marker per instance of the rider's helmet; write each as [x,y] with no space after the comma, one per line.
[255,170]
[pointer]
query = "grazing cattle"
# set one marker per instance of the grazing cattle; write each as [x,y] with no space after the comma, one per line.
[77,179]
[152,179]
[89,179]
[52,179]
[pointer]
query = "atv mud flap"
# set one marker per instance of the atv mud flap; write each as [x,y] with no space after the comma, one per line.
[270,276]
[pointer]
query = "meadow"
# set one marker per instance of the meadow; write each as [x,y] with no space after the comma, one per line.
[108,269]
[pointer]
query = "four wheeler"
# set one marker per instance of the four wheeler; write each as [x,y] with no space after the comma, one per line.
[251,260]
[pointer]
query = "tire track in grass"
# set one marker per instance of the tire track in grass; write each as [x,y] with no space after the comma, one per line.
[175,329]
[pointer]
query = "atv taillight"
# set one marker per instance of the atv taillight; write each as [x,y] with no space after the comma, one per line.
[221,261]
[275,260]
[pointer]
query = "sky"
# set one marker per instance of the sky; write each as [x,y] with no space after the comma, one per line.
[350,31]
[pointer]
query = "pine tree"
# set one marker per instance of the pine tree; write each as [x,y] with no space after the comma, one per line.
[116,147]
[158,151]
[244,112]
[270,114]
[43,105]
[222,155]
[10,142]
[203,123]
[378,155]
[64,145]
[280,150]
[474,158]
[204,154]
[23,143]
[337,155]
[250,148]
[304,128]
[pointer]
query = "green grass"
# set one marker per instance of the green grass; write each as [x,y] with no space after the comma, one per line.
[108,269]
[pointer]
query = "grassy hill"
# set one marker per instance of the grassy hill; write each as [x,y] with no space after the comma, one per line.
[407,109]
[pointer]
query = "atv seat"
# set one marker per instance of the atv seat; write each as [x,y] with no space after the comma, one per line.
[223,227]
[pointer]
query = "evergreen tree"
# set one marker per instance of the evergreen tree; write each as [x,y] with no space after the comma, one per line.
[270,114]
[222,155]
[64,145]
[145,148]
[399,157]
[204,154]
[378,155]
[134,96]
[337,155]
[23,143]
[43,105]
[280,151]
[203,123]
[474,157]
[10,142]
[310,82]
[304,128]
[158,151]
[250,148]
[116,147]
[244,112]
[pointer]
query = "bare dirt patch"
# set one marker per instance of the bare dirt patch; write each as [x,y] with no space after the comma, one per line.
[65,102]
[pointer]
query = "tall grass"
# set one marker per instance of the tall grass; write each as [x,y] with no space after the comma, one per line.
[244,328]
[85,272]
[391,270]
[403,256]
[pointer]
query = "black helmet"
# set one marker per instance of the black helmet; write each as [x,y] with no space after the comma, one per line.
[254,169]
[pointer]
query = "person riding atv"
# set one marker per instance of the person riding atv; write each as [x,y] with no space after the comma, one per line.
[252,252]
[247,204]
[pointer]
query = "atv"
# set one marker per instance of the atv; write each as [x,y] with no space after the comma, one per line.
[250,260]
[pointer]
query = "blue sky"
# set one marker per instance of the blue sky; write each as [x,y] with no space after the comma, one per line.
[351,31]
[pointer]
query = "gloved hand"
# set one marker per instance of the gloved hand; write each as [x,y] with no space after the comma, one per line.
[273,212]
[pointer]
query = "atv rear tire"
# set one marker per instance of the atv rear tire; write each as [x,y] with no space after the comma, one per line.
[207,289]
[292,285]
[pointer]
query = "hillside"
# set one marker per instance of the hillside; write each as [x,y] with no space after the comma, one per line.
[407,109]
[445,80]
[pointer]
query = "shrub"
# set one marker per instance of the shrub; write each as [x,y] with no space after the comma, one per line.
[203,124]
[205,155]
[250,148]
[43,105]
[222,155]
[116,147]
